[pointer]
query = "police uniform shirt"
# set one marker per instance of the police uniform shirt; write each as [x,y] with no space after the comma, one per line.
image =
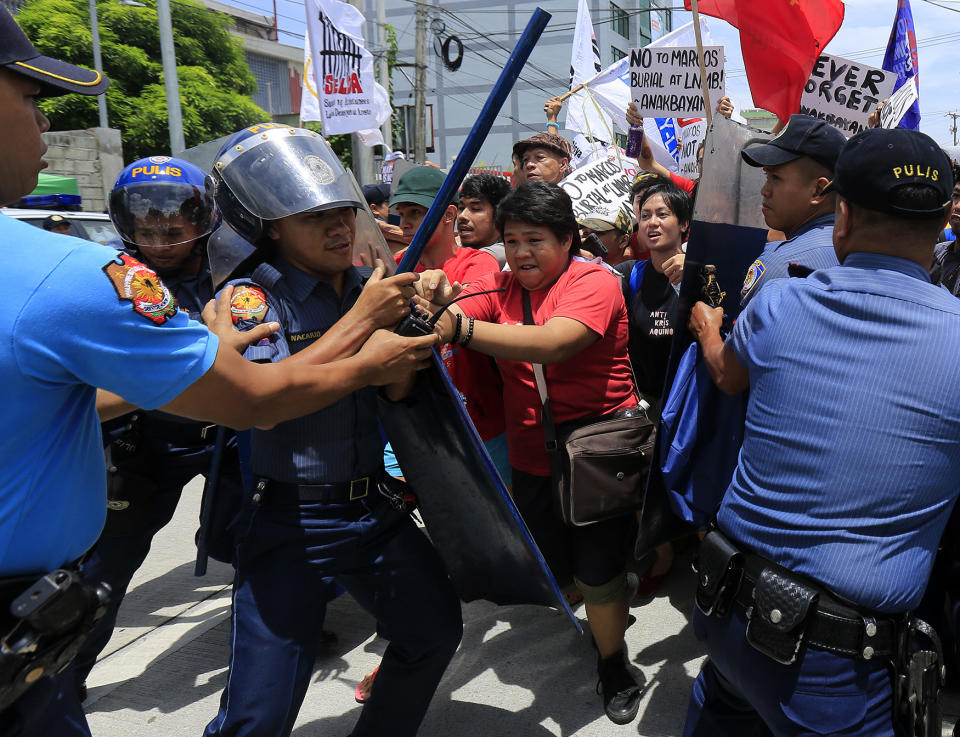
[811,246]
[66,329]
[652,313]
[851,452]
[342,441]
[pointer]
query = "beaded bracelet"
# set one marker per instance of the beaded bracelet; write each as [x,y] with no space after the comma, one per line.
[469,336]
[456,332]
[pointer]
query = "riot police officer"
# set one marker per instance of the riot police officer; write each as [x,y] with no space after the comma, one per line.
[163,210]
[322,505]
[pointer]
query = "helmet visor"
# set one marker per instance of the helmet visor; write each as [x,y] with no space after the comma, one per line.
[285,172]
[162,213]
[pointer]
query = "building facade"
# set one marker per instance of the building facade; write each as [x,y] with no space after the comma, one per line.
[487,33]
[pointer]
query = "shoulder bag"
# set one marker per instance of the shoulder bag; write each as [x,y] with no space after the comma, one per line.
[599,469]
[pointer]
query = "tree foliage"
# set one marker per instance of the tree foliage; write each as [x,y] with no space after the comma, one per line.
[215,82]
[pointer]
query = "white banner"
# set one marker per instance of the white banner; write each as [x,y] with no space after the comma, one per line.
[583,115]
[666,82]
[341,69]
[844,92]
[611,91]
[601,188]
[900,102]
[691,132]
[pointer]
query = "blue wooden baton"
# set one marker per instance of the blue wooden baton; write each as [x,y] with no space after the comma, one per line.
[518,57]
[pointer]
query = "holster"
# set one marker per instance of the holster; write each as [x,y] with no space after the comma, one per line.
[719,567]
[919,681]
[777,619]
[46,626]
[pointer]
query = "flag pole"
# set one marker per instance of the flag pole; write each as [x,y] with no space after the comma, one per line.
[703,65]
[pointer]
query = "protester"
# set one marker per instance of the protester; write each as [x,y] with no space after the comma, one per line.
[649,163]
[946,257]
[80,316]
[163,210]
[802,519]
[651,289]
[378,198]
[580,334]
[544,157]
[476,222]
[611,235]
[473,374]
[319,507]
[798,164]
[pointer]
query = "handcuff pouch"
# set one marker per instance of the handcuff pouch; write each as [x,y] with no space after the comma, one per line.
[778,617]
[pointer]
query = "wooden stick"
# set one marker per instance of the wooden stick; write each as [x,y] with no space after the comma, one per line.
[703,65]
[576,89]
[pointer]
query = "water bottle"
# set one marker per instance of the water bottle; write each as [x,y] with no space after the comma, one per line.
[635,141]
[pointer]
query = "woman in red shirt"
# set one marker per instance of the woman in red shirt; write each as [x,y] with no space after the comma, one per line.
[580,335]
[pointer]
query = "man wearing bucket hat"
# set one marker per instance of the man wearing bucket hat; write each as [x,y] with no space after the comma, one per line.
[798,163]
[827,533]
[78,316]
[544,157]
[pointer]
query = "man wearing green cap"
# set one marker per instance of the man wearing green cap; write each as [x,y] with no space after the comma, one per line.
[472,373]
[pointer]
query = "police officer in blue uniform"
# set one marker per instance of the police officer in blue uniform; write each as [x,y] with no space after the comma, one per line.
[799,164]
[77,316]
[322,505]
[848,472]
[163,210]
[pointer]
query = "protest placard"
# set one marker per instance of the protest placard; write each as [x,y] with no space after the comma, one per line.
[844,92]
[600,188]
[900,102]
[665,82]
[692,131]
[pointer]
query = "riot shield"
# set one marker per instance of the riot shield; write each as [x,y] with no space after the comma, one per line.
[700,428]
[472,520]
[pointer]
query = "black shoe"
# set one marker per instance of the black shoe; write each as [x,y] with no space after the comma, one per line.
[621,694]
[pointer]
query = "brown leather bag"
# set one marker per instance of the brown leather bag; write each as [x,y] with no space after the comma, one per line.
[599,469]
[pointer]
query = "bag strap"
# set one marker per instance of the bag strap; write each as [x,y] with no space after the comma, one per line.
[546,418]
[636,278]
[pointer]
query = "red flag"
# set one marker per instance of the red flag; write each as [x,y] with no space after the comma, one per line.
[780,41]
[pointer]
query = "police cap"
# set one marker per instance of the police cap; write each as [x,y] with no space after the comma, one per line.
[877,162]
[803,135]
[56,77]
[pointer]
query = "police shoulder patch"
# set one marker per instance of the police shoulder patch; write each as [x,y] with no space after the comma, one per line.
[753,276]
[140,285]
[248,303]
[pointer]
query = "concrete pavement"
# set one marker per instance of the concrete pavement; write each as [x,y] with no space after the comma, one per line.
[519,671]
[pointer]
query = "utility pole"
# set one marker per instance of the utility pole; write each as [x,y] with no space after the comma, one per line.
[362,155]
[98,62]
[171,84]
[383,72]
[953,128]
[420,86]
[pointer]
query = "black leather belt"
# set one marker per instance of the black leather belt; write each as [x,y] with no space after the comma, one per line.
[832,624]
[268,491]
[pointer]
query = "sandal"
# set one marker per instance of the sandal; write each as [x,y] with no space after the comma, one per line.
[362,692]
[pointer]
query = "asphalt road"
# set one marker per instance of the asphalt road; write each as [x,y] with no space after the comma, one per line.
[520,670]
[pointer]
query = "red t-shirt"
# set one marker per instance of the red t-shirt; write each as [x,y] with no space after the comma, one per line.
[683,183]
[592,383]
[473,373]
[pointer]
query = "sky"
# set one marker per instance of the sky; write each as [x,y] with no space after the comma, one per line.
[862,37]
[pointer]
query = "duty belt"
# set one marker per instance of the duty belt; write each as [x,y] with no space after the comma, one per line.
[784,609]
[268,491]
